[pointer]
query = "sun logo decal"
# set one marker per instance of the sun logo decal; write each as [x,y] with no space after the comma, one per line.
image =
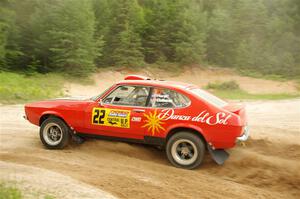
[153,123]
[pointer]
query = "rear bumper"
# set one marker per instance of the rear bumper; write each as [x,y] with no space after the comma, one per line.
[244,136]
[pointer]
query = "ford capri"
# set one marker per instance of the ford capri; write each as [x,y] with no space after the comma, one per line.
[181,118]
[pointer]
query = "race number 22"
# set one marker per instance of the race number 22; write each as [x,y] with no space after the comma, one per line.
[98,116]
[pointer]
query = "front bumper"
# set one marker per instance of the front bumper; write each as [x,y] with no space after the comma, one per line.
[244,136]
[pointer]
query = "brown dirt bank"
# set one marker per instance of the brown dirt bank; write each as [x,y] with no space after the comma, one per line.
[194,75]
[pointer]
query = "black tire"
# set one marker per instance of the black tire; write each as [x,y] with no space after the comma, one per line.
[188,145]
[60,127]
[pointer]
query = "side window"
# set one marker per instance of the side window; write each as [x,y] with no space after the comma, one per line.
[165,98]
[128,96]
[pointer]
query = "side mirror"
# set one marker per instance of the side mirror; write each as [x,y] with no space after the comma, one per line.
[100,102]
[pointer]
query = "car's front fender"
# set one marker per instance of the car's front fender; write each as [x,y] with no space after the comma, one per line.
[52,113]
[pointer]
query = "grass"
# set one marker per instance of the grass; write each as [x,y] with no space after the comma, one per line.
[228,85]
[243,95]
[260,75]
[12,192]
[18,88]
[48,197]
[231,90]
[9,192]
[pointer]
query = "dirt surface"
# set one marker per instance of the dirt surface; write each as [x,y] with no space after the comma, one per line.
[267,167]
[36,182]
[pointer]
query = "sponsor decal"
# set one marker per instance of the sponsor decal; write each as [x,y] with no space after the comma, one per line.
[153,123]
[154,120]
[203,117]
[136,119]
[161,98]
[111,117]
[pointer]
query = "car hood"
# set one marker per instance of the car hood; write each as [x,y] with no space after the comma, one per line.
[73,98]
[60,102]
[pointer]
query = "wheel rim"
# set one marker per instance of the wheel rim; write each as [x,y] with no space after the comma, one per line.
[52,134]
[184,152]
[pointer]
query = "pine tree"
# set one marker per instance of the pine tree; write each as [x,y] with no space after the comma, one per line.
[9,49]
[71,35]
[156,31]
[65,39]
[123,43]
[189,44]
[220,45]
[5,21]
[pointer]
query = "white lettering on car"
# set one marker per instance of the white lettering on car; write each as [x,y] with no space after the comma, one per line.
[203,117]
[136,119]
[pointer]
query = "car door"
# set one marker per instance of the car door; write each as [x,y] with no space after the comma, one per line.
[120,113]
[168,108]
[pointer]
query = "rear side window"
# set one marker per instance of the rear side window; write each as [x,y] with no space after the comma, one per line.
[165,98]
[209,97]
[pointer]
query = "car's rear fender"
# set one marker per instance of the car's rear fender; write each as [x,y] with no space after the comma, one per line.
[186,127]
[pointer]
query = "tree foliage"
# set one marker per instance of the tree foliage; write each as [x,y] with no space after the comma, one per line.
[75,36]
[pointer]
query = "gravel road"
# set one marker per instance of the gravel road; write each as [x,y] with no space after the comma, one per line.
[267,167]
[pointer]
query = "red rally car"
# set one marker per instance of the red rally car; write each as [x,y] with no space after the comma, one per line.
[180,117]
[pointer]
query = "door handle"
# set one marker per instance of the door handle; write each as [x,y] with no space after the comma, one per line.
[138,110]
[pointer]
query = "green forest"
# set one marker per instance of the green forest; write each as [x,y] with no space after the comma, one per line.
[79,36]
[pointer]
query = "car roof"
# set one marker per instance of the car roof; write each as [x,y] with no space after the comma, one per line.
[157,83]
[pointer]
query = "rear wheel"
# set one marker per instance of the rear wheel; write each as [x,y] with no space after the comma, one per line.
[54,133]
[185,150]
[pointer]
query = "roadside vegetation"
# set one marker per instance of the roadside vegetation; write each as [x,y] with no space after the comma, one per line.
[41,39]
[232,90]
[24,87]
[76,37]
[9,192]
[19,88]
[12,192]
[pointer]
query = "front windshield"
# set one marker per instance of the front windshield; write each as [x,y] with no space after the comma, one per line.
[97,96]
[209,97]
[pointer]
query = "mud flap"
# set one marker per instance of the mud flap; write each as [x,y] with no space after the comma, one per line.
[77,139]
[218,155]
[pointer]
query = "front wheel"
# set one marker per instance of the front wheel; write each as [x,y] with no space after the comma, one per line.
[54,133]
[185,150]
